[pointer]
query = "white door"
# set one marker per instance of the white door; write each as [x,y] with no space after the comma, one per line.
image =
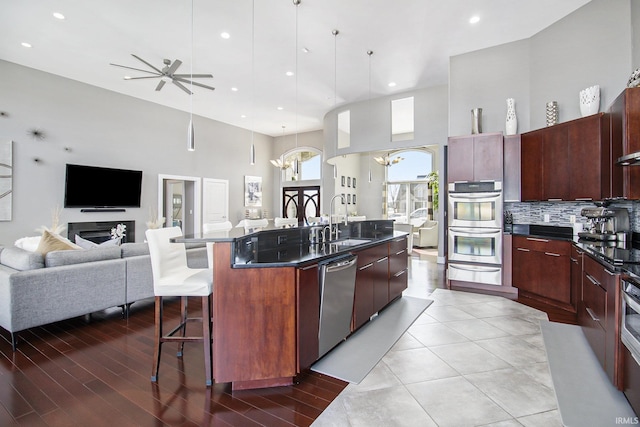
[215,200]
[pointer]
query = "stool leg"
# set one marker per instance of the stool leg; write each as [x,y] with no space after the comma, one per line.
[183,323]
[157,339]
[206,338]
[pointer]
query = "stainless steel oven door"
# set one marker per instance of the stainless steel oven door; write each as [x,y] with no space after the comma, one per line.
[475,210]
[476,245]
[630,321]
[476,273]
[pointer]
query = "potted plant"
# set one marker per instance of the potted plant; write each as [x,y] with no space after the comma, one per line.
[432,182]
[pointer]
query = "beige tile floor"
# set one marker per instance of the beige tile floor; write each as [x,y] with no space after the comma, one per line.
[468,360]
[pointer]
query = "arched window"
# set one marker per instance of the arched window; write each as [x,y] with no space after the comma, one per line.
[309,165]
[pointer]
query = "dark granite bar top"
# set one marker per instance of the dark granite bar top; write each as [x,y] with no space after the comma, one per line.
[294,246]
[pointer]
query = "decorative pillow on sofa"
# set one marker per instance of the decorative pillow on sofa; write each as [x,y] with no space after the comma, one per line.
[88,244]
[28,243]
[54,242]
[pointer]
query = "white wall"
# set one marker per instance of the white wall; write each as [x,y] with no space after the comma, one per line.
[103,128]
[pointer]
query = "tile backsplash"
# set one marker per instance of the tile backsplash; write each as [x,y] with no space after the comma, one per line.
[560,212]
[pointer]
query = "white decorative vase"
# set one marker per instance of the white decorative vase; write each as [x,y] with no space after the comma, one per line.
[590,100]
[511,124]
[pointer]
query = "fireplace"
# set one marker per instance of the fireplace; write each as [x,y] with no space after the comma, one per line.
[100,231]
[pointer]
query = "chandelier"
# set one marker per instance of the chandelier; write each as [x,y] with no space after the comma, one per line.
[387,160]
[279,163]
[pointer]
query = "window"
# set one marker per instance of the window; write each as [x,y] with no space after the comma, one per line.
[344,129]
[402,119]
[309,165]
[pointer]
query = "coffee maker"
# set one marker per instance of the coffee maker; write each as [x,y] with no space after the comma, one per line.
[606,224]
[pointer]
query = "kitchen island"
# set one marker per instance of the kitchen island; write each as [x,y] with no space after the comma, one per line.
[267,294]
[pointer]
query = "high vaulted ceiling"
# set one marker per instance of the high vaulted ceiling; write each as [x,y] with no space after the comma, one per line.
[412,41]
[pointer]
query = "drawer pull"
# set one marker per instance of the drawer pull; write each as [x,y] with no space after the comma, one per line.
[537,240]
[584,199]
[399,252]
[364,267]
[573,260]
[592,280]
[383,259]
[309,267]
[551,254]
[610,273]
[592,314]
[399,273]
[523,249]
[554,200]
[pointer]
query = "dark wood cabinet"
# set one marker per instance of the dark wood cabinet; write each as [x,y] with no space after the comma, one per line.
[555,163]
[475,157]
[380,283]
[363,298]
[569,161]
[576,258]
[372,283]
[398,267]
[541,271]
[624,121]
[599,316]
[308,319]
[531,166]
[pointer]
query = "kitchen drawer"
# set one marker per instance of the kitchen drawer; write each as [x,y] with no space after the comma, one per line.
[369,255]
[595,270]
[398,261]
[398,244]
[594,297]
[596,336]
[397,283]
[539,244]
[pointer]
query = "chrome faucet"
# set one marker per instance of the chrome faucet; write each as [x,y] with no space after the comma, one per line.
[330,227]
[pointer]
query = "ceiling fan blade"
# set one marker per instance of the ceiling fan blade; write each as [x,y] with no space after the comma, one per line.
[146,63]
[137,69]
[145,77]
[160,84]
[195,76]
[174,66]
[193,83]
[181,86]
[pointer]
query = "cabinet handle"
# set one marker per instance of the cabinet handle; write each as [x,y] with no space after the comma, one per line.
[579,252]
[398,253]
[364,267]
[551,254]
[383,259]
[610,273]
[592,280]
[399,273]
[592,314]
[584,199]
[554,200]
[573,260]
[537,240]
[523,249]
[309,267]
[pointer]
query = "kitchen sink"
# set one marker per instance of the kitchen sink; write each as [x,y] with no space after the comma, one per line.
[349,242]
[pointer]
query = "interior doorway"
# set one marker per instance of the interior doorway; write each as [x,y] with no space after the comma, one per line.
[179,202]
[301,202]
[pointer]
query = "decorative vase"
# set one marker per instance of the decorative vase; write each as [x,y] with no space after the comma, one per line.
[590,100]
[476,120]
[552,113]
[511,124]
[634,79]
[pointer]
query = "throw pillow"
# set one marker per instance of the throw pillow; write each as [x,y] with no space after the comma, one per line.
[54,242]
[88,244]
[28,243]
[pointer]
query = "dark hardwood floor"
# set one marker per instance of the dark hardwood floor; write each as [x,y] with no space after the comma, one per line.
[97,373]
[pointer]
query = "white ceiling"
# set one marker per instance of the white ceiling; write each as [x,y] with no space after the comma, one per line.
[412,41]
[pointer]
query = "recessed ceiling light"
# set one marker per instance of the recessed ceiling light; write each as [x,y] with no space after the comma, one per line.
[234,89]
[289,73]
[280,108]
[474,19]
[243,116]
[391,84]
[25,44]
[127,77]
[58,15]
[225,35]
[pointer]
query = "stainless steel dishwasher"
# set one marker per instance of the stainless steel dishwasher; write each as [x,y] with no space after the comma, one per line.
[337,288]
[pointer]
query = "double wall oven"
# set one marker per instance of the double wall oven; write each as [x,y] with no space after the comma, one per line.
[475,232]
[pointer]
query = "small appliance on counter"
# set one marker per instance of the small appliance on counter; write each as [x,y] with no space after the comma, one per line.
[606,224]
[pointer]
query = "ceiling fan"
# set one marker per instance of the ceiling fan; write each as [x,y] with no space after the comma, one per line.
[168,74]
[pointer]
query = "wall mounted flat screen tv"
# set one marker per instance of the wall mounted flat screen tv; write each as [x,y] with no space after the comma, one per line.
[97,187]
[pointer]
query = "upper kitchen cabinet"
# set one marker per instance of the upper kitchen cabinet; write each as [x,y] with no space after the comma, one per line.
[511,184]
[475,157]
[554,162]
[624,115]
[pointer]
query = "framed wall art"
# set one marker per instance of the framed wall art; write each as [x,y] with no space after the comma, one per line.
[252,190]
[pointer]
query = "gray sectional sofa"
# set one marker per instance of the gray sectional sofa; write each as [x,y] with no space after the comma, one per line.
[36,289]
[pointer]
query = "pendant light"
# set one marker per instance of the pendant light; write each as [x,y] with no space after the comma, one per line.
[296,161]
[191,144]
[252,154]
[369,53]
[335,91]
